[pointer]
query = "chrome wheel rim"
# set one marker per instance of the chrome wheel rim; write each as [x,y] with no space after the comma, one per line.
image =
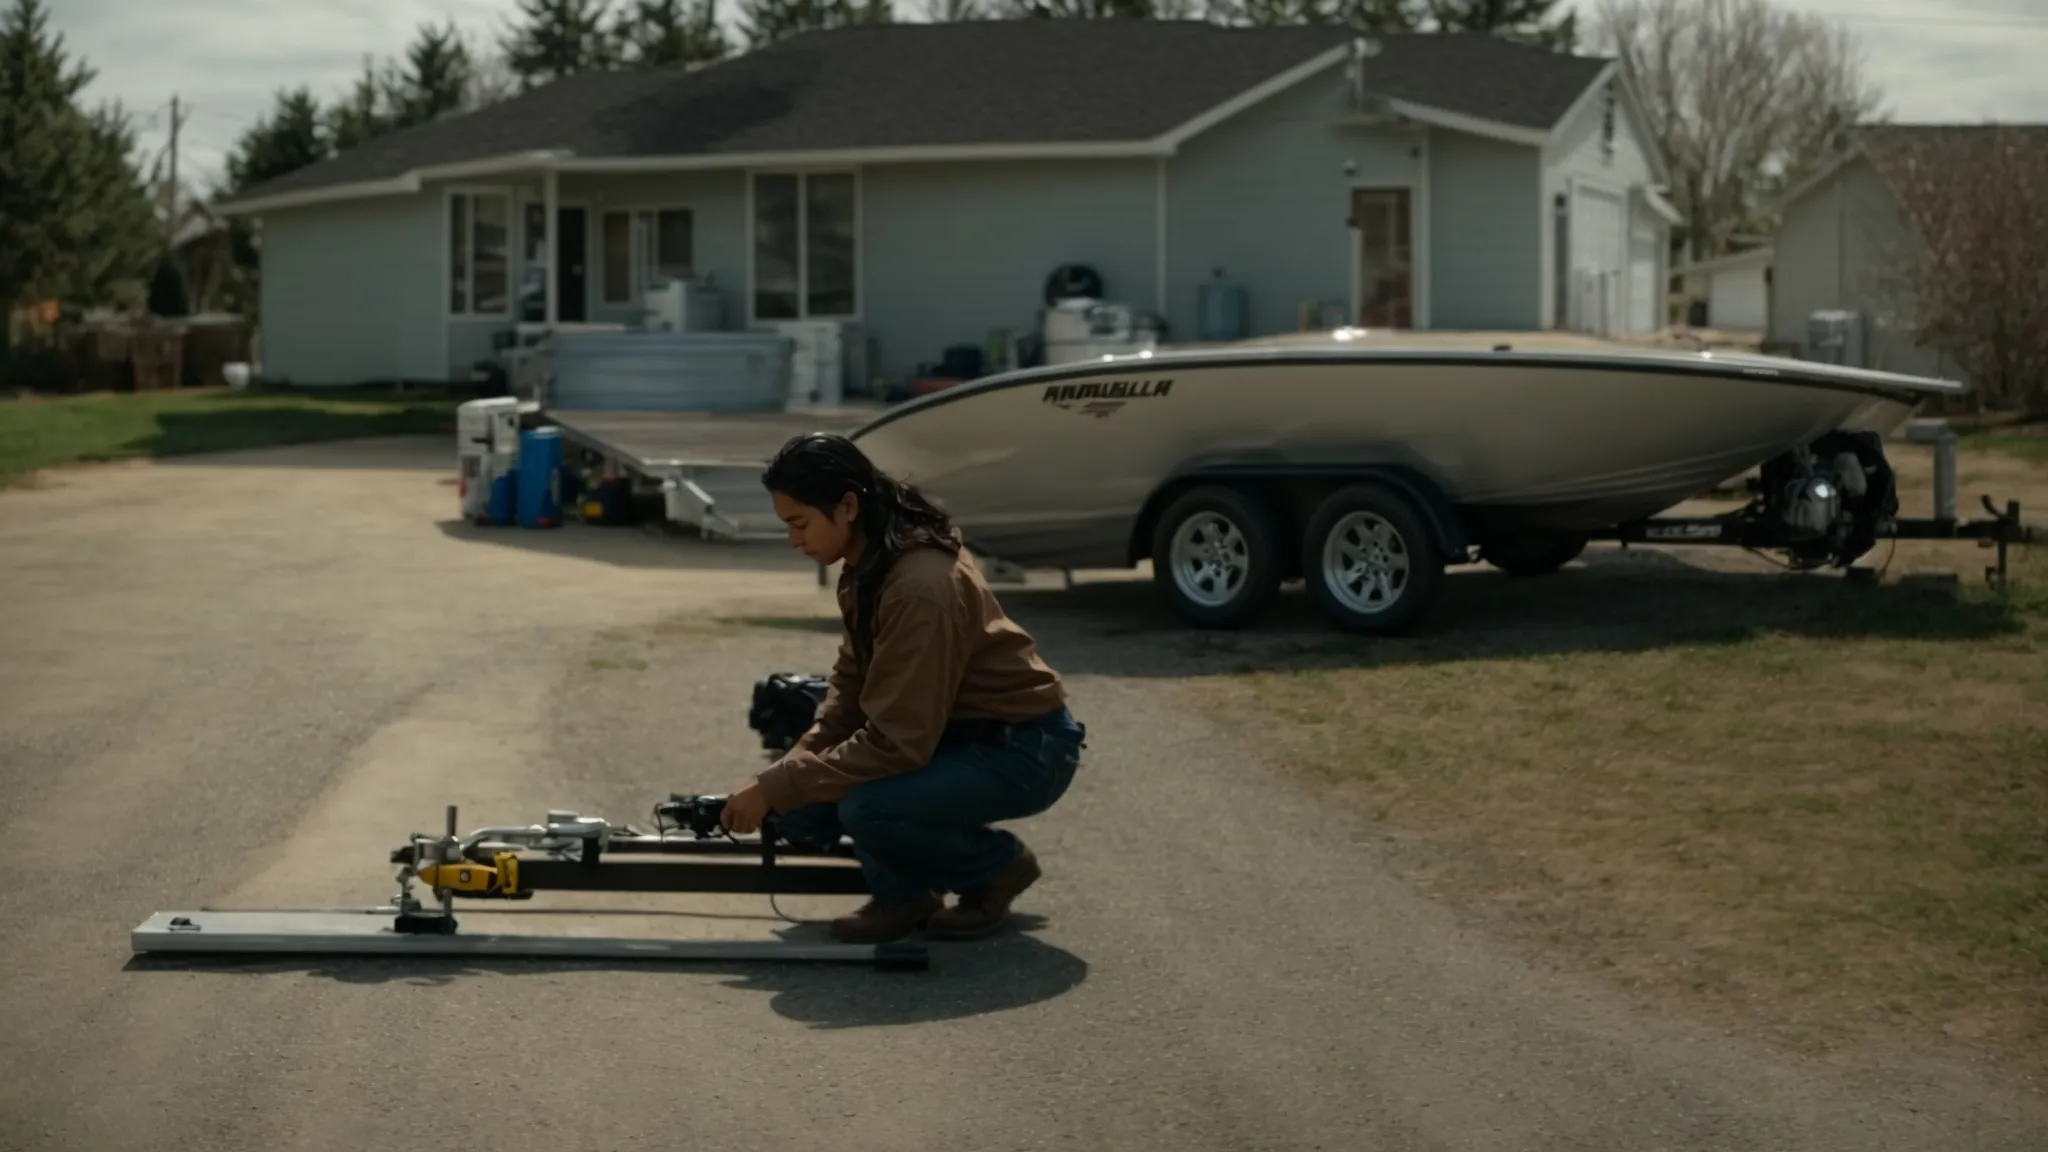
[1211,559]
[1366,563]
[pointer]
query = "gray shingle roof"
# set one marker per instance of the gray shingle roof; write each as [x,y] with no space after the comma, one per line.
[980,82]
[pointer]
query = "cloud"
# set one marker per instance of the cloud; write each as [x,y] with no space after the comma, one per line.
[1941,60]
[226,59]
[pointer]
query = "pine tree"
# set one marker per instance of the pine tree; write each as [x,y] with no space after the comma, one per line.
[434,80]
[38,84]
[1364,15]
[653,33]
[363,114]
[558,38]
[112,231]
[75,218]
[291,136]
[1534,22]
[1077,9]
[763,22]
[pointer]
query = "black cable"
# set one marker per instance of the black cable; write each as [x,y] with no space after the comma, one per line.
[661,832]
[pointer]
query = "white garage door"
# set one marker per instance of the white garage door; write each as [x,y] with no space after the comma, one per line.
[1598,227]
[1642,282]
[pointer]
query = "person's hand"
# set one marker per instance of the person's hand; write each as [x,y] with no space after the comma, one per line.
[745,809]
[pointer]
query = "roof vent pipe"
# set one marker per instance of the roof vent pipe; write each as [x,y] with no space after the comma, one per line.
[1363,48]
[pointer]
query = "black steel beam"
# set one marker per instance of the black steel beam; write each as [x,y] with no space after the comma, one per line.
[542,875]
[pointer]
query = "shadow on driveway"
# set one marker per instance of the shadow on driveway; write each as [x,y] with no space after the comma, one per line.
[1613,602]
[1010,971]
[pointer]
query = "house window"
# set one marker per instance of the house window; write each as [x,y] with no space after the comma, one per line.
[479,253]
[644,245]
[806,251]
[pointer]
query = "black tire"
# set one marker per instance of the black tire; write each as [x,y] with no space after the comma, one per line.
[1532,554]
[1416,584]
[1250,557]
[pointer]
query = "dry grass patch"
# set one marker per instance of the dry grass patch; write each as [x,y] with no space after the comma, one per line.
[1814,808]
[1851,830]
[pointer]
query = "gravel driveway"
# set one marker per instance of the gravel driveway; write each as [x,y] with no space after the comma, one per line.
[239,682]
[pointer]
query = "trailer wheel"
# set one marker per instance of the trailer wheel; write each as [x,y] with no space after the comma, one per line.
[1533,554]
[1371,562]
[1215,557]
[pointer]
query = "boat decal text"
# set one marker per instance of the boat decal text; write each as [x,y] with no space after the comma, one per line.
[1099,398]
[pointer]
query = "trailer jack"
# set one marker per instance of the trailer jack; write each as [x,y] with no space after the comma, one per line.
[566,852]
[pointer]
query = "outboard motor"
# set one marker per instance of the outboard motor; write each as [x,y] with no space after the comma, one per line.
[1832,497]
[1812,501]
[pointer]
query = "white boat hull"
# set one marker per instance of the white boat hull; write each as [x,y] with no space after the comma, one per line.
[1052,467]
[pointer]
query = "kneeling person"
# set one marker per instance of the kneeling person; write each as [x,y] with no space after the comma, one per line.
[940,717]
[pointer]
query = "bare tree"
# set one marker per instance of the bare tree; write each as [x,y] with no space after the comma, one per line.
[1746,98]
[1973,278]
[951,11]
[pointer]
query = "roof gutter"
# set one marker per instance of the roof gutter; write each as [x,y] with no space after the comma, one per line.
[396,186]
[849,157]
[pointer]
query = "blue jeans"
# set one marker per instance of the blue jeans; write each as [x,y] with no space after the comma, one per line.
[927,830]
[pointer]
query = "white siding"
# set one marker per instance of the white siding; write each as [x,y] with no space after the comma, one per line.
[1737,300]
[1590,173]
[1839,246]
[351,292]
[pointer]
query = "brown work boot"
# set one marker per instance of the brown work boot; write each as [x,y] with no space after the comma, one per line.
[880,921]
[977,914]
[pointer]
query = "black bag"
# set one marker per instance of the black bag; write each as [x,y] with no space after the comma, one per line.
[785,705]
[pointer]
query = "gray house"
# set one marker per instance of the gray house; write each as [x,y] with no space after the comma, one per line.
[924,179]
[1844,244]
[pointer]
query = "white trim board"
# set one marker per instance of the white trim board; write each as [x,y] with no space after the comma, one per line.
[1473,125]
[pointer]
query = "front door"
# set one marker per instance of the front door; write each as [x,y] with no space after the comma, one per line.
[1386,269]
[573,280]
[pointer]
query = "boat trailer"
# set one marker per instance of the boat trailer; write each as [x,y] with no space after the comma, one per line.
[1803,509]
[688,850]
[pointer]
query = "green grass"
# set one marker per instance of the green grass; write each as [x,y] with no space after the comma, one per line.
[2032,447]
[2022,439]
[39,433]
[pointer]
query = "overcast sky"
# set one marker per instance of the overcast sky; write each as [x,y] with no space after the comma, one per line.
[1936,59]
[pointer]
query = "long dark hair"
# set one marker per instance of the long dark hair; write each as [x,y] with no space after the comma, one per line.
[818,469]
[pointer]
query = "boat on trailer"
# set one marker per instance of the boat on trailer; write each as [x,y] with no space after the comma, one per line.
[1366,462]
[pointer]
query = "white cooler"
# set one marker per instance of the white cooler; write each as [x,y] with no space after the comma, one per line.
[486,447]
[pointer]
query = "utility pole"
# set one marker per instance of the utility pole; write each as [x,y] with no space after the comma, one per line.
[178,112]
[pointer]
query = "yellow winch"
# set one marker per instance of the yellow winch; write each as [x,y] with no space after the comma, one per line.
[498,879]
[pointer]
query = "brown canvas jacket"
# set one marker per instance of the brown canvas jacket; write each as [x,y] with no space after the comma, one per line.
[943,649]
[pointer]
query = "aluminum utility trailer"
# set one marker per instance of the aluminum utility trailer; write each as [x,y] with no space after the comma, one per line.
[706,465]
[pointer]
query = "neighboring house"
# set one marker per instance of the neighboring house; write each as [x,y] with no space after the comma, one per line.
[1732,292]
[206,249]
[1843,244]
[924,180]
